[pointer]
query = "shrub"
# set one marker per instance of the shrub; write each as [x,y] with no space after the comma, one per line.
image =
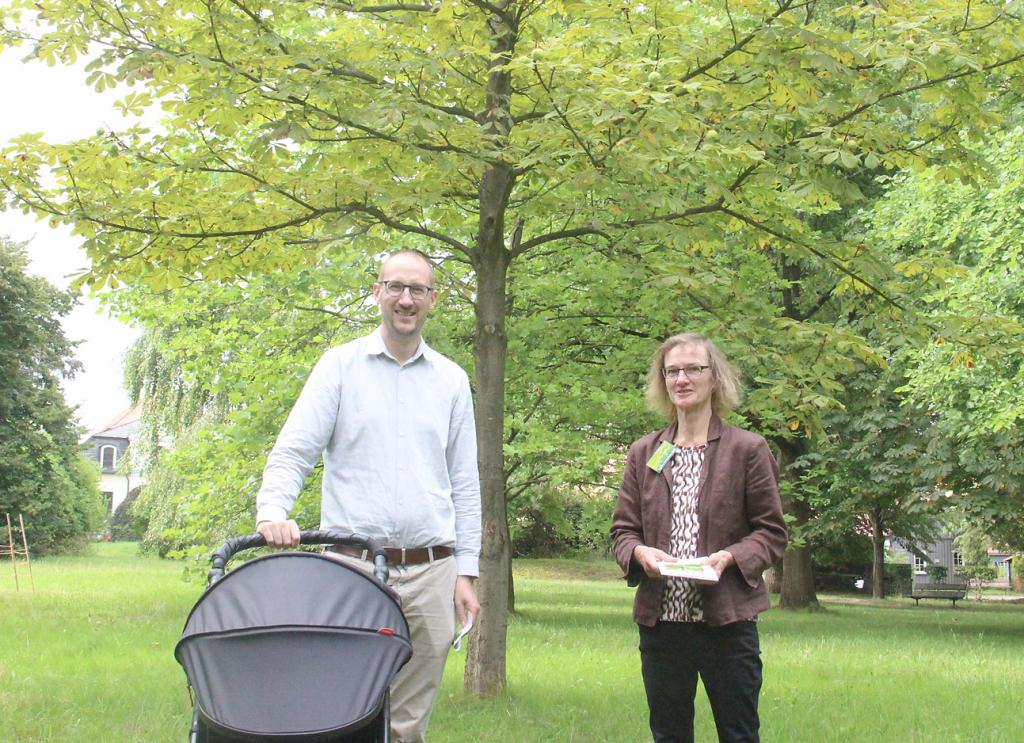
[578,528]
[976,574]
[124,526]
[898,579]
[827,582]
[841,551]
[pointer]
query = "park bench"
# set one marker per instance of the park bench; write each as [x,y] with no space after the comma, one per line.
[937,591]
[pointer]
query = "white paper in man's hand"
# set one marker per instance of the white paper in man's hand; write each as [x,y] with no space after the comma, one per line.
[457,642]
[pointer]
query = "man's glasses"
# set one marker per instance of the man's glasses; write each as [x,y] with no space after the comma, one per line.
[395,289]
[671,373]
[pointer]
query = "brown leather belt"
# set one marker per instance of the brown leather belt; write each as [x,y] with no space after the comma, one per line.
[397,555]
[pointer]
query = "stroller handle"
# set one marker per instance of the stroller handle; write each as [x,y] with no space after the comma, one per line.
[220,557]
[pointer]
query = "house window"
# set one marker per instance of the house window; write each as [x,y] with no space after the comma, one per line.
[919,564]
[958,560]
[108,457]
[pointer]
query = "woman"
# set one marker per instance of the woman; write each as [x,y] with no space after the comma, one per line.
[698,488]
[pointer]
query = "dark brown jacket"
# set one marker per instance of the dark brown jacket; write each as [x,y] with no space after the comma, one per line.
[738,509]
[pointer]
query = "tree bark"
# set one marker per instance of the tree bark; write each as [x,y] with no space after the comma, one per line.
[798,580]
[485,661]
[797,573]
[878,556]
[511,589]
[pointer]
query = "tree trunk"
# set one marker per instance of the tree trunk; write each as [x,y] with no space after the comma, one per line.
[485,661]
[797,573]
[877,557]
[511,589]
[798,580]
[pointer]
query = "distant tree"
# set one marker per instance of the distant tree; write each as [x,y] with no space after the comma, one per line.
[977,568]
[43,475]
[876,475]
[968,377]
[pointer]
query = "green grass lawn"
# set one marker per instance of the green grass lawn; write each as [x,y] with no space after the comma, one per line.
[88,657]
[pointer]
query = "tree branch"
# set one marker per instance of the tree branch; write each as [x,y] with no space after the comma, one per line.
[815,251]
[783,8]
[598,165]
[921,86]
[559,235]
[394,224]
[389,8]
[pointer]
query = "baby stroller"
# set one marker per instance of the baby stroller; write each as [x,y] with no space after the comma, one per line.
[294,646]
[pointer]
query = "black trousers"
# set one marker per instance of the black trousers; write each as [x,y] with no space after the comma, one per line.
[728,660]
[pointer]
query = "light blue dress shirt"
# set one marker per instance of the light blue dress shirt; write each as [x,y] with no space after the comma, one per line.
[399,449]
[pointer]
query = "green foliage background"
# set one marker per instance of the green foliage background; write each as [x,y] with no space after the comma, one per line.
[43,475]
[617,172]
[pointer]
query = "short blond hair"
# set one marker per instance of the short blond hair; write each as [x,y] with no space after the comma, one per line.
[726,393]
[409,251]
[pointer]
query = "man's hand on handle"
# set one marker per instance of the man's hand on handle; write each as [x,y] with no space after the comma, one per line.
[280,534]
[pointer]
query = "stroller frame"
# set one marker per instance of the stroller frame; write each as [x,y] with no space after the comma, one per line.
[318,617]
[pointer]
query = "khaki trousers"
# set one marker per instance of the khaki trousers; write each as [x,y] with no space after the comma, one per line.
[428,602]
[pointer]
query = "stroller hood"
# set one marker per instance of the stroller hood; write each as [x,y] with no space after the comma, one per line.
[293,645]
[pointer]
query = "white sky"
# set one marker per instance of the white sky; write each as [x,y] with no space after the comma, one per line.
[57,102]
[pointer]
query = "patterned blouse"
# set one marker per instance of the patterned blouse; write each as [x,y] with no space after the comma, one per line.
[681,600]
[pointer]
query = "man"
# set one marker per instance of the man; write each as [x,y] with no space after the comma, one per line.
[394,421]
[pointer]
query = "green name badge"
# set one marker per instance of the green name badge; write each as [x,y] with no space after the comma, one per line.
[661,456]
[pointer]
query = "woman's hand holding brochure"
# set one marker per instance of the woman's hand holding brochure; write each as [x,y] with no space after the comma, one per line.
[692,568]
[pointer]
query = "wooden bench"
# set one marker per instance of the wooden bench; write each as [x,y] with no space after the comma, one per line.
[937,591]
